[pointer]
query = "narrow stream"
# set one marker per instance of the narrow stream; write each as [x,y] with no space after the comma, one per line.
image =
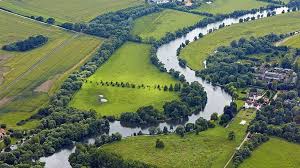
[216,97]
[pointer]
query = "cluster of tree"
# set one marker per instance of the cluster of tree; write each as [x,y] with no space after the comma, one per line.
[159,144]
[42,19]
[30,43]
[278,2]
[294,4]
[117,23]
[277,119]
[244,152]
[229,113]
[90,156]
[225,67]
[176,87]
[105,139]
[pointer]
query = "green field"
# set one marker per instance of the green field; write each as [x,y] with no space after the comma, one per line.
[210,148]
[130,63]
[28,78]
[156,25]
[276,153]
[228,6]
[293,41]
[67,11]
[195,53]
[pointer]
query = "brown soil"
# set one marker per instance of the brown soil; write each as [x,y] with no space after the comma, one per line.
[5,100]
[45,87]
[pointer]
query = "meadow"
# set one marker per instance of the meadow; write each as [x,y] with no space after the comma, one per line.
[156,25]
[275,153]
[210,148]
[195,53]
[228,6]
[131,63]
[67,11]
[28,78]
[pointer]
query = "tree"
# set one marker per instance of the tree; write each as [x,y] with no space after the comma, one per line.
[40,18]
[231,135]
[214,116]
[180,130]
[50,20]
[6,141]
[159,144]
[165,130]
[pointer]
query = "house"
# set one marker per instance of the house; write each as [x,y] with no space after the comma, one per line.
[2,133]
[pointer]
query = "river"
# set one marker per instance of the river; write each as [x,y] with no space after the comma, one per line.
[216,97]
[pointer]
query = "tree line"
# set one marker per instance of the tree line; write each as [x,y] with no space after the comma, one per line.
[30,43]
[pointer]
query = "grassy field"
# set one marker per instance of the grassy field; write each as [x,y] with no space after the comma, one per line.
[208,149]
[228,6]
[156,25]
[196,52]
[28,78]
[130,63]
[70,10]
[276,153]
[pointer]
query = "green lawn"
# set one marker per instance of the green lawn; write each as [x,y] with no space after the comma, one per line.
[276,153]
[210,148]
[293,41]
[195,53]
[21,73]
[156,25]
[69,10]
[130,63]
[228,6]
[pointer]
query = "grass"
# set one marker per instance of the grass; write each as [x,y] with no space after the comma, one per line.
[228,6]
[275,153]
[130,63]
[25,71]
[67,11]
[156,25]
[293,41]
[195,53]
[210,148]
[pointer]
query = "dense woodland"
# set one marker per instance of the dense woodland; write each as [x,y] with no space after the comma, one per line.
[27,44]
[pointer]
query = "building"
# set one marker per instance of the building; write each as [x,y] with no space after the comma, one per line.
[2,133]
[287,76]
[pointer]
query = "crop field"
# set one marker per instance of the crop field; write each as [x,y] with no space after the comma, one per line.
[67,11]
[210,148]
[131,63]
[228,6]
[275,153]
[156,25]
[28,78]
[195,53]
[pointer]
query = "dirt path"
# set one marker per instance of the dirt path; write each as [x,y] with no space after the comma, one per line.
[242,143]
[286,39]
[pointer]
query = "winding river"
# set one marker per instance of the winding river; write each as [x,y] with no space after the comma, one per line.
[217,98]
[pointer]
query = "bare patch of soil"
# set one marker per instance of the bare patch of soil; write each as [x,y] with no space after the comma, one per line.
[45,87]
[5,100]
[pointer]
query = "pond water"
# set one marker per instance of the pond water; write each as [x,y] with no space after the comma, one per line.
[216,97]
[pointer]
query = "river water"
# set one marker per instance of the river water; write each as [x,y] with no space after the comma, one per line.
[216,97]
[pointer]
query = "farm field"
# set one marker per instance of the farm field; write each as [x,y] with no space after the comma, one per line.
[67,11]
[131,63]
[195,53]
[156,25]
[28,78]
[275,153]
[228,6]
[210,148]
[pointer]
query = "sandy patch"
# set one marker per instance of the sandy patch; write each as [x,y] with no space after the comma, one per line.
[5,100]
[4,57]
[45,87]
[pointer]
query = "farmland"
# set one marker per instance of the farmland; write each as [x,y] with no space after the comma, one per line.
[275,153]
[130,63]
[228,6]
[67,11]
[210,148]
[28,78]
[156,25]
[196,52]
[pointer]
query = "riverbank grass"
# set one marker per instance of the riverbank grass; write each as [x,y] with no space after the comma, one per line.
[67,11]
[156,25]
[275,153]
[131,63]
[28,78]
[228,6]
[210,148]
[197,52]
